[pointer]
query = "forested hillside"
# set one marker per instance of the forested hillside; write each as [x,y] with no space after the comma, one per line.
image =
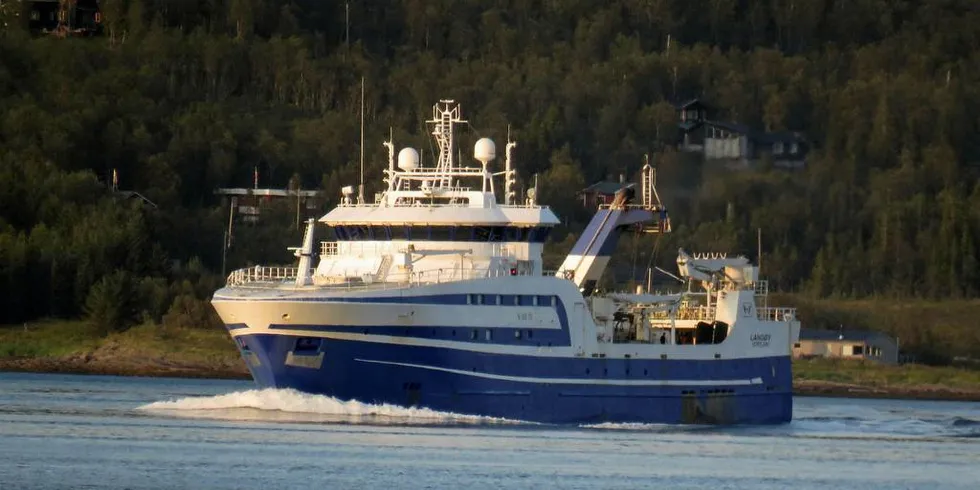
[185,96]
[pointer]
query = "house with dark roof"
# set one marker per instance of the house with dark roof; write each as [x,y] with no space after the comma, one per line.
[691,115]
[737,144]
[59,17]
[741,144]
[846,344]
[136,196]
[602,193]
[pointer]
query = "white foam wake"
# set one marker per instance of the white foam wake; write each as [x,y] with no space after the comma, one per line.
[629,426]
[288,404]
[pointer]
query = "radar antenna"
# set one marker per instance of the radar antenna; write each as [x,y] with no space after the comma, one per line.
[445,114]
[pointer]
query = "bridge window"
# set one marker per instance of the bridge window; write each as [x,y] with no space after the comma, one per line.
[442,233]
[525,300]
[482,234]
[493,234]
[539,234]
[359,232]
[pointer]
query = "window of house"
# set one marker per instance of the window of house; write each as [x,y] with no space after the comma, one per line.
[857,350]
[796,345]
[794,148]
[777,148]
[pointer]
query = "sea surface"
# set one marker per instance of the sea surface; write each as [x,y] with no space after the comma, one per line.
[69,431]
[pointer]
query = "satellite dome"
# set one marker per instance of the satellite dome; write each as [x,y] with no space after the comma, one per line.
[484,150]
[408,159]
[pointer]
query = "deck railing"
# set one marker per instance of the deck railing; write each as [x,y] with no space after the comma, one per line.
[776,314]
[262,276]
[355,248]
[696,313]
[328,249]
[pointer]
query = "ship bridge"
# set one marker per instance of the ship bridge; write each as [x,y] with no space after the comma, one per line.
[443,220]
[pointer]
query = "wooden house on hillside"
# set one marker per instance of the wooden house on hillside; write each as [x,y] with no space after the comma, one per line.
[691,115]
[736,144]
[601,193]
[59,17]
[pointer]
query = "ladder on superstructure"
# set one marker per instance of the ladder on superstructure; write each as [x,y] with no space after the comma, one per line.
[444,119]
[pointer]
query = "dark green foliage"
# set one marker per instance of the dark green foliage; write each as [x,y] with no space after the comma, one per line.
[182,97]
[188,311]
[111,303]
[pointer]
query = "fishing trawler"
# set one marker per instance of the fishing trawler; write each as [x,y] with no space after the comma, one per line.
[435,295]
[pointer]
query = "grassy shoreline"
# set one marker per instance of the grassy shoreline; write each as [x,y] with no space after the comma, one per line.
[155,350]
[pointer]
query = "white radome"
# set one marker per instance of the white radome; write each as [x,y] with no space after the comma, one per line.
[408,159]
[484,151]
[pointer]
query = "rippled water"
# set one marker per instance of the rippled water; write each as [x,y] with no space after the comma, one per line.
[60,431]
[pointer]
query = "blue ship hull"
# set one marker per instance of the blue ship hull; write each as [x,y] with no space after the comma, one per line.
[531,388]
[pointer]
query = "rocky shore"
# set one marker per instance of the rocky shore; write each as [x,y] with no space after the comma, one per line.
[806,387]
[124,367]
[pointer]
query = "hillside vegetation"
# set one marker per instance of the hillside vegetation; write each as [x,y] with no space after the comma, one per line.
[181,97]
